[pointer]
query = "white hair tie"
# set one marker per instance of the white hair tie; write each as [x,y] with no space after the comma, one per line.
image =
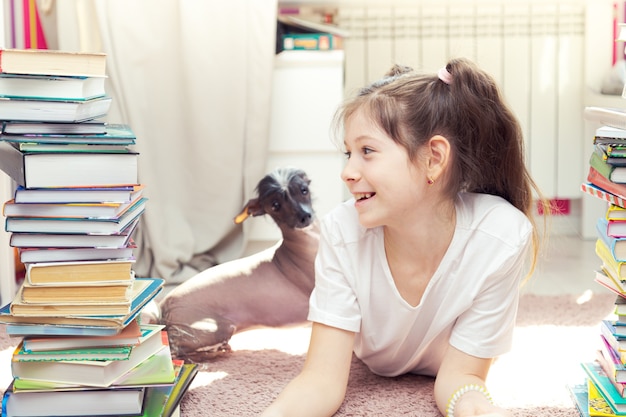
[444,75]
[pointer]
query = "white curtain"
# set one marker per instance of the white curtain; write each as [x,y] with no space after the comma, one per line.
[193,80]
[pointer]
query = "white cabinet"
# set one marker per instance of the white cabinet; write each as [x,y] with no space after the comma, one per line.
[307,89]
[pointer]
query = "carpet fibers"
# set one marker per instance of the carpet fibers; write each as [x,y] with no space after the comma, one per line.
[554,334]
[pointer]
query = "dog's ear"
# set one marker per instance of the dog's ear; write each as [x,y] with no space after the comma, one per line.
[252,208]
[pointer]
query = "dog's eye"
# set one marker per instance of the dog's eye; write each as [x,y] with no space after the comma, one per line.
[304,190]
[275,205]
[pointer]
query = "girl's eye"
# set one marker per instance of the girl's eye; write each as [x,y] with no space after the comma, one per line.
[367,150]
[347,154]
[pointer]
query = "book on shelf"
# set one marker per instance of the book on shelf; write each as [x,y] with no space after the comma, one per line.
[109,353]
[73,402]
[612,172]
[144,290]
[52,62]
[43,255]
[63,240]
[85,293]
[603,383]
[100,373]
[75,210]
[51,87]
[112,134]
[602,194]
[606,116]
[128,336]
[116,271]
[86,195]
[54,110]
[68,169]
[77,226]
[35,127]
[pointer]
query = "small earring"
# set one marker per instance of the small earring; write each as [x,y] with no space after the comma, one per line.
[430,181]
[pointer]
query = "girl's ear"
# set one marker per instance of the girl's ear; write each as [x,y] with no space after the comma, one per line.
[438,150]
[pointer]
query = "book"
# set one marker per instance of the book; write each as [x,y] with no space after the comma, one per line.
[35,127]
[605,387]
[613,150]
[95,372]
[158,369]
[64,324]
[611,154]
[616,245]
[596,178]
[60,240]
[607,116]
[614,212]
[31,147]
[66,169]
[612,364]
[128,336]
[44,255]
[608,135]
[180,387]
[79,308]
[54,110]
[52,62]
[596,404]
[612,172]
[617,269]
[88,195]
[51,87]
[311,41]
[112,134]
[77,226]
[92,293]
[109,353]
[74,210]
[608,281]
[73,402]
[598,192]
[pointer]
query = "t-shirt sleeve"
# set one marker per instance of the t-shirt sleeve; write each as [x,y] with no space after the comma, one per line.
[333,301]
[485,330]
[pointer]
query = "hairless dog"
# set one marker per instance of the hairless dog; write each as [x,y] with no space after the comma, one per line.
[269,288]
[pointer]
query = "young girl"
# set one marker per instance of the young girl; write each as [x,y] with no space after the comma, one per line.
[420,272]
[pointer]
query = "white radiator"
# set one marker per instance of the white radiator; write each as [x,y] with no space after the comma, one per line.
[534,50]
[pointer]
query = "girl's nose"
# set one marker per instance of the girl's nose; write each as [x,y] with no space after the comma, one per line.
[349,172]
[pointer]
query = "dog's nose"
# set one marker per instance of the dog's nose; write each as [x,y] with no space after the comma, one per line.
[306,218]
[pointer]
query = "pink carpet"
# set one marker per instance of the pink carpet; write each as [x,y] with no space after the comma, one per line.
[554,334]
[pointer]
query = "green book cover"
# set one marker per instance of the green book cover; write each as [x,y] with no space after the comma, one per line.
[97,353]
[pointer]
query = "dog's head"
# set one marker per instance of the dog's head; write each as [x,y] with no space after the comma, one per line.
[283,194]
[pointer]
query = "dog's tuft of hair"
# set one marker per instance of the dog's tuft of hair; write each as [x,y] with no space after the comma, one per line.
[285,195]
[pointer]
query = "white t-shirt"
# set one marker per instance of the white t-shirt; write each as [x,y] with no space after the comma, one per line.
[470,302]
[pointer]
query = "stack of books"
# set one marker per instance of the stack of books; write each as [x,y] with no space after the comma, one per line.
[77,202]
[603,393]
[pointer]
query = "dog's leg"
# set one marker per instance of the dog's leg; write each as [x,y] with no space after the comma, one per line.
[196,335]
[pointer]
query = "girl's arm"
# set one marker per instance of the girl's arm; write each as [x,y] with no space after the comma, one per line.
[462,377]
[320,387]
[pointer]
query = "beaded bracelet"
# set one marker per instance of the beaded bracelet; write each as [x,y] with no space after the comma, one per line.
[459,393]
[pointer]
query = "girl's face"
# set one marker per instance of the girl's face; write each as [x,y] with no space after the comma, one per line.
[386,185]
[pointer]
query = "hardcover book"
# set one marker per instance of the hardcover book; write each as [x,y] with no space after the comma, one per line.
[114,271]
[112,134]
[63,169]
[51,87]
[95,372]
[52,62]
[54,110]
[77,226]
[88,195]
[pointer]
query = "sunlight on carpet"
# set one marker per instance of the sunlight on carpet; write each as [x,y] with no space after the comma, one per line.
[291,340]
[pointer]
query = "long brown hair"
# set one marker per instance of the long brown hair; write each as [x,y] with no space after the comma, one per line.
[468,109]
